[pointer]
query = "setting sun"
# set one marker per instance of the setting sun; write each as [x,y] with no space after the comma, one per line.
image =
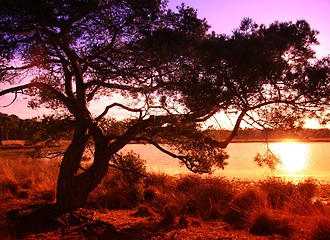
[294,155]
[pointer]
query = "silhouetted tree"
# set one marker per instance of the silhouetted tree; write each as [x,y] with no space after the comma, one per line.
[9,125]
[172,77]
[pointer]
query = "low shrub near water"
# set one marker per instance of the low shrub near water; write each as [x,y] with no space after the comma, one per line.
[206,197]
[277,190]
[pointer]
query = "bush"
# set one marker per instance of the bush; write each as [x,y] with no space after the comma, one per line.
[278,191]
[113,193]
[206,197]
[244,206]
[161,181]
[123,187]
[307,189]
[170,215]
[150,194]
[265,224]
[321,230]
[8,187]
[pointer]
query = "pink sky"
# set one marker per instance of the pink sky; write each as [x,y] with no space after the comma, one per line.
[226,15]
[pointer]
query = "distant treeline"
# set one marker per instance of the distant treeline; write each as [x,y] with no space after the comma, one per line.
[34,129]
[49,128]
[274,134]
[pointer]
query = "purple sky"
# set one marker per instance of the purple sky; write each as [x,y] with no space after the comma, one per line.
[226,15]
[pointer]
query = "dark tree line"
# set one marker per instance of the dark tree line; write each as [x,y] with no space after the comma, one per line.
[49,128]
[34,129]
[250,134]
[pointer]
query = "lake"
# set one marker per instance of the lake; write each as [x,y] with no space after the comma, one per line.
[299,160]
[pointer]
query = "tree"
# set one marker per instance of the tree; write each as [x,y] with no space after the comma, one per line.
[9,125]
[171,74]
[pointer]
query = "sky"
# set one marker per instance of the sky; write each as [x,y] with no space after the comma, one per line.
[226,15]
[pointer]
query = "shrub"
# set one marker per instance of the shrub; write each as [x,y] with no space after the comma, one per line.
[170,215]
[321,229]
[123,187]
[8,187]
[292,197]
[206,197]
[278,191]
[132,174]
[266,224]
[307,189]
[113,193]
[189,183]
[150,194]
[161,181]
[244,206]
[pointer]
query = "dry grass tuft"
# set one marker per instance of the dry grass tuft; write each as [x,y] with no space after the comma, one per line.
[170,215]
[266,223]
[321,229]
[205,197]
[278,191]
[244,206]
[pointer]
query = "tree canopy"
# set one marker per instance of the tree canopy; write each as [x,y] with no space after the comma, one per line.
[171,73]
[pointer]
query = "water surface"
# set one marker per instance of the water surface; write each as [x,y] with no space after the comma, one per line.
[299,160]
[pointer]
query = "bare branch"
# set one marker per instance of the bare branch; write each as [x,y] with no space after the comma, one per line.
[11,101]
[142,89]
[41,86]
[118,105]
[91,95]
[181,157]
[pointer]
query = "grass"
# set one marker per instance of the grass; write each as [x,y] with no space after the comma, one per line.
[321,229]
[265,208]
[267,223]
[28,178]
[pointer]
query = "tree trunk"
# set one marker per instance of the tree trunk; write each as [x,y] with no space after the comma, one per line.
[73,189]
[66,183]
[7,134]
[1,135]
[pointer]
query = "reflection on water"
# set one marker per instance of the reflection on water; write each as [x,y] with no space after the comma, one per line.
[293,155]
[299,160]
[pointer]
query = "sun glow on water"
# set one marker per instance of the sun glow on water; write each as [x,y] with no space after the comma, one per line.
[294,155]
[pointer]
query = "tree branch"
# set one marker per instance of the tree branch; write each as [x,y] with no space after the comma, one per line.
[41,86]
[119,86]
[11,101]
[181,157]
[117,105]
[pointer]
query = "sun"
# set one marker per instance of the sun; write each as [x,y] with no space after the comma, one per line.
[294,155]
